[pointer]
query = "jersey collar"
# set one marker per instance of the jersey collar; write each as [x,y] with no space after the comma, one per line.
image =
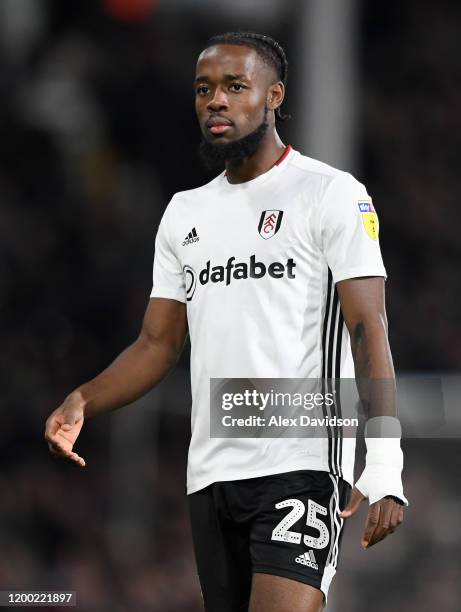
[262,177]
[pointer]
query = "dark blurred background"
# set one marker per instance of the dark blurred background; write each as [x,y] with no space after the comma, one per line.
[97,131]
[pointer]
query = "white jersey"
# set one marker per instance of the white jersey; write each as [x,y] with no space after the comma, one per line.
[256,263]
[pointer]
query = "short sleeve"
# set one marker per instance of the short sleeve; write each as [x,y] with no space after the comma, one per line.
[168,278]
[349,230]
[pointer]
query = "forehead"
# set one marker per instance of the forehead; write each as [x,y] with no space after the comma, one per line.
[230,59]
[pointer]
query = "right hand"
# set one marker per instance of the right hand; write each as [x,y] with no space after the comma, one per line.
[63,427]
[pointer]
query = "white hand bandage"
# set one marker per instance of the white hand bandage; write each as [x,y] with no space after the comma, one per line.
[384,460]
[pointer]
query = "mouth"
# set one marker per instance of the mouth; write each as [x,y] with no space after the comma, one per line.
[218,125]
[219,129]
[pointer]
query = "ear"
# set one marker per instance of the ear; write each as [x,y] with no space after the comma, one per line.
[275,95]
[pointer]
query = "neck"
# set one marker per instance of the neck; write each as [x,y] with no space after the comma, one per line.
[266,156]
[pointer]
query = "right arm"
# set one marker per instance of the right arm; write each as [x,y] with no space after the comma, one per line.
[136,370]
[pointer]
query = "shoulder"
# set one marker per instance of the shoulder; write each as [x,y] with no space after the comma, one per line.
[194,195]
[314,167]
[322,180]
[183,207]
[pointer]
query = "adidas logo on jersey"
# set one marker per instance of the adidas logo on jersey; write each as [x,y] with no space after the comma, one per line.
[308,559]
[191,237]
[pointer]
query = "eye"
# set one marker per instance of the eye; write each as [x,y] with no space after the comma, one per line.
[237,87]
[202,90]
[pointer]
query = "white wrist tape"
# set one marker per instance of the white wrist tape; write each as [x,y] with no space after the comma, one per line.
[384,460]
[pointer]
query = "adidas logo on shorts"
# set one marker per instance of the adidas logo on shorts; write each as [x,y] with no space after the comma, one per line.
[308,559]
[191,237]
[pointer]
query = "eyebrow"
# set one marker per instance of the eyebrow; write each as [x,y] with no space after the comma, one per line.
[227,77]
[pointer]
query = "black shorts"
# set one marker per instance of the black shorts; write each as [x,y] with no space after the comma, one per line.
[284,524]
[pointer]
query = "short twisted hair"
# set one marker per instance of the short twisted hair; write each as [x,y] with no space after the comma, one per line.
[268,49]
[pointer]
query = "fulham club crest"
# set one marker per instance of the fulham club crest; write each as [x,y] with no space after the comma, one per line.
[270,222]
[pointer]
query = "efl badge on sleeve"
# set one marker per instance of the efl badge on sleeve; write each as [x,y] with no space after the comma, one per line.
[369,218]
[270,222]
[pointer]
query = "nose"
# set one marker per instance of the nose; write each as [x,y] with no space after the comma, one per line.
[218,102]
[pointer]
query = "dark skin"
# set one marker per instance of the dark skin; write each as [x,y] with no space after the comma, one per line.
[163,333]
[363,307]
[241,100]
[136,370]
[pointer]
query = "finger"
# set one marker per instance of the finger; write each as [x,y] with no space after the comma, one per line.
[51,428]
[386,513]
[377,537]
[77,459]
[59,442]
[54,444]
[371,523]
[382,529]
[58,451]
[53,451]
[385,524]
[394,522]
[355,501]
[74,458]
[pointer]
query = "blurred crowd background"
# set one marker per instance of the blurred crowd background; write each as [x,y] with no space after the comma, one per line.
[97,131]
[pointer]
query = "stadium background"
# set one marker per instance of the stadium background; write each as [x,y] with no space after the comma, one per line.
[97,131]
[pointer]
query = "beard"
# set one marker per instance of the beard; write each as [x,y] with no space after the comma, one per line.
[215,156]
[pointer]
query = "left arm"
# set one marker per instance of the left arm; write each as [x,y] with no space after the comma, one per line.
[363,307]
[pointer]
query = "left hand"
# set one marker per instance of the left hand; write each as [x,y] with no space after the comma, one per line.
[384,516]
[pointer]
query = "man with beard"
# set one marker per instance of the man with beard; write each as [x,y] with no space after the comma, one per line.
[263,265]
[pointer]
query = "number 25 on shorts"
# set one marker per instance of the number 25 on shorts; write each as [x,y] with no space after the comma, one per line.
[281,531]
